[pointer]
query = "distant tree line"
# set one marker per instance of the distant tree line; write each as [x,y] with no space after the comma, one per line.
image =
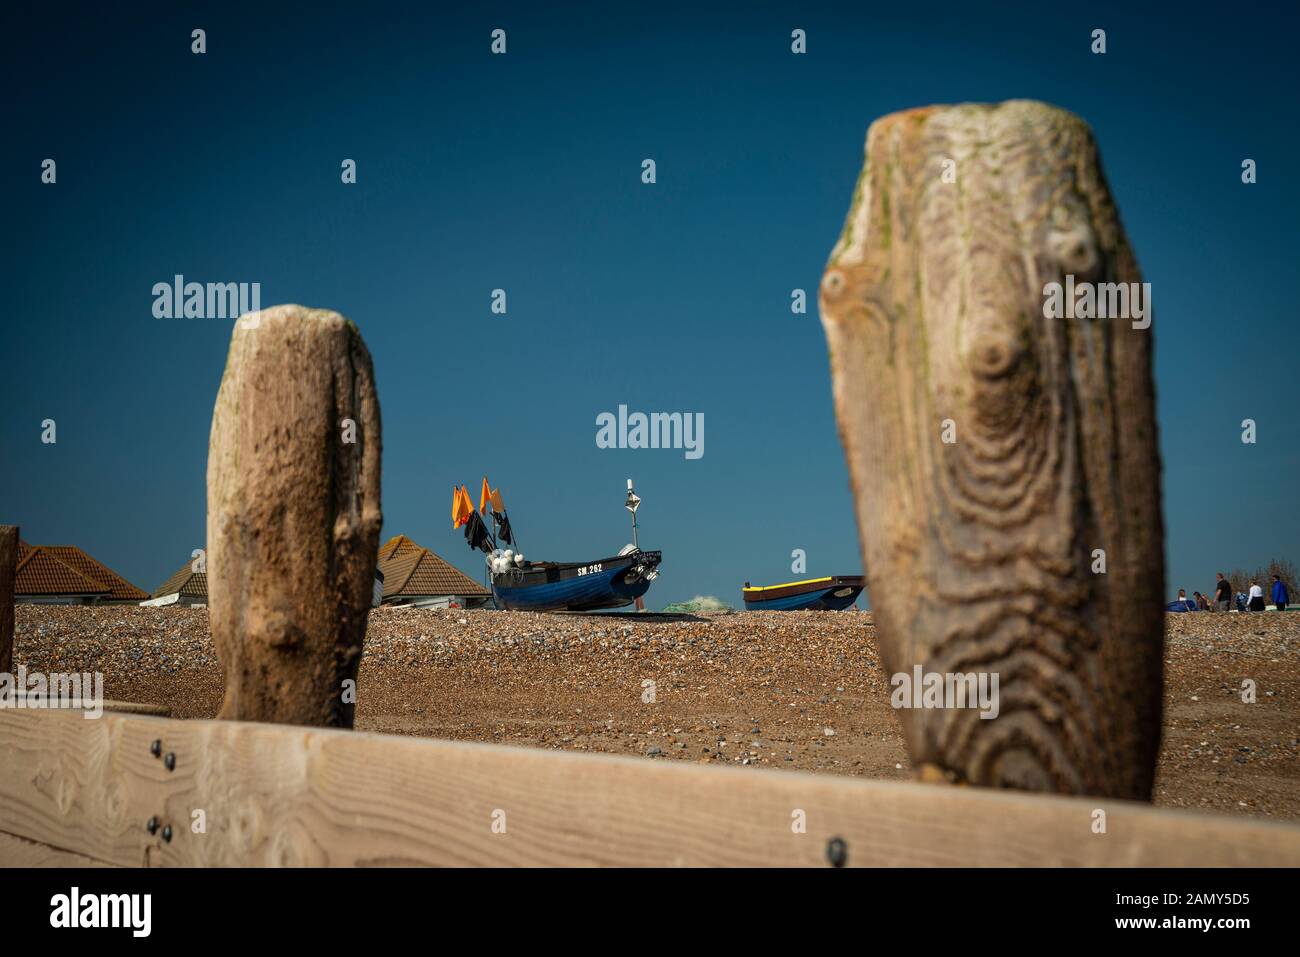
[1283,568]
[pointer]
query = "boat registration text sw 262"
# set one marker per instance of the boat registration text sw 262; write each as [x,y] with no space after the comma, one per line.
[590,569]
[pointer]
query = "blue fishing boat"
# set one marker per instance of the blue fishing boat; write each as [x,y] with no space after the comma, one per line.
[522,585]
[554,586]
[832,593]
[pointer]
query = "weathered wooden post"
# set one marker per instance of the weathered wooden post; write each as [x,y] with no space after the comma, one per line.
[1003,457]
[8,568]
[293,515]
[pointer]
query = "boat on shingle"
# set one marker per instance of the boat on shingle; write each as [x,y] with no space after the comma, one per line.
[522,585]
[832,593]
[572,586]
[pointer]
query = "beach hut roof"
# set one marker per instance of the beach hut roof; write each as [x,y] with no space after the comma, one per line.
[118,587]
[67,570]
[397,546]
[186,582]
[411,570]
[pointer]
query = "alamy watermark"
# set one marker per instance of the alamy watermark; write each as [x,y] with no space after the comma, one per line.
[38,690]
[657,430]
[75,909]
[1098,300]
[213,300]
[934,689]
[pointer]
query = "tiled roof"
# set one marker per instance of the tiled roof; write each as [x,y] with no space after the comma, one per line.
[40,572]
[410,570]
[118,587]
[185,582]
[397,546]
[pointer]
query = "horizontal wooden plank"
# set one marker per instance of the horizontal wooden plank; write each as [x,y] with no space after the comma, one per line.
[137,707]
[20,699]
[279,795]
[20,852]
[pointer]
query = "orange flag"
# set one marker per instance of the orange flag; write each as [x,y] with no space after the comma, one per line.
[484,497]
[497,504]
[461,507]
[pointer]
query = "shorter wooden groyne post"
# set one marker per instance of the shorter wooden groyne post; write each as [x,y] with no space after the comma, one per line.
[293,516]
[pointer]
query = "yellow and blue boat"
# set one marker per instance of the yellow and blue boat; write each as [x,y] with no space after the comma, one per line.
[833,593]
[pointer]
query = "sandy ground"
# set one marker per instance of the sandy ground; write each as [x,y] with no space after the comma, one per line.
[783,690]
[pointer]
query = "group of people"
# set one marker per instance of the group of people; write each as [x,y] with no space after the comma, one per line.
[1225,600]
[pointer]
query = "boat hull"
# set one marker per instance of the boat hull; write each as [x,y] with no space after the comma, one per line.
[608,583]
[834,593]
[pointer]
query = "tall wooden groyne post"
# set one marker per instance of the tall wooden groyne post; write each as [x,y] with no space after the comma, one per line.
[1001,442]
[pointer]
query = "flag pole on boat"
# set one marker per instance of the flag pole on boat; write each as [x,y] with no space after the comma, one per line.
[631,504]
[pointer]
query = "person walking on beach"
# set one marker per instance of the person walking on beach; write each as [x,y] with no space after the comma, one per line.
[1255,598]
[1280,596]
[1222,593]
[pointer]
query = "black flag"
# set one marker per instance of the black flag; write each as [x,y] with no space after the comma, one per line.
[476,534]
[503,528]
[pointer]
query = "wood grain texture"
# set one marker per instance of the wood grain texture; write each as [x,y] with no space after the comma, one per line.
[8,567]
[276,795]
[21,700]
[979,552]
[137,707]
[19,852]
[293,515]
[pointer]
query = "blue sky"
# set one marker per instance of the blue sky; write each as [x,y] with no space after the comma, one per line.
[522,172]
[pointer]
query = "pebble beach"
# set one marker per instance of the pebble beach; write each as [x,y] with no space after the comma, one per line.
[802,690]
